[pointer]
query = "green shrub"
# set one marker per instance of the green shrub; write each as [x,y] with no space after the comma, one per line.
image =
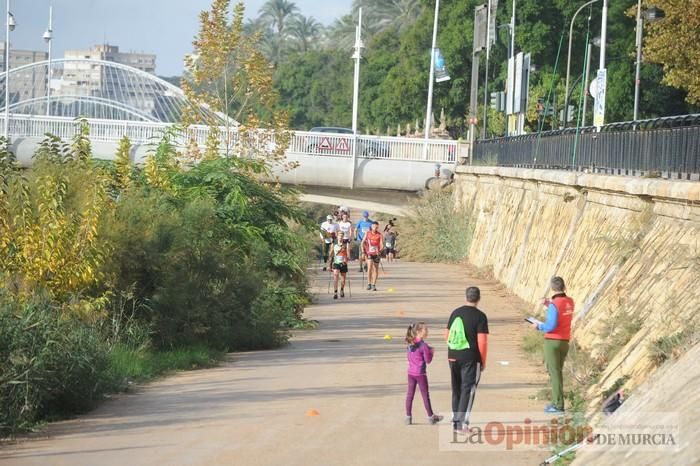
[436,231]
[204,263]
[52,365]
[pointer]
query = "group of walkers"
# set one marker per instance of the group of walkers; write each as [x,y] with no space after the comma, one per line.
[466,332]
[337,234]
[466,335]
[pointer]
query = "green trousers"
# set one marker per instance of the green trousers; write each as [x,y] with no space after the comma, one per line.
[554,355]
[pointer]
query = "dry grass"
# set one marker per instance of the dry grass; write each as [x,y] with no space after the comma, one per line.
[436,231]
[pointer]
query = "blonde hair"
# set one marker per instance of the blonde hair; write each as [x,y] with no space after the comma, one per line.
[412,332]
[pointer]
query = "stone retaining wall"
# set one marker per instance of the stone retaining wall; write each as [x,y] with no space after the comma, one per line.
[628,248]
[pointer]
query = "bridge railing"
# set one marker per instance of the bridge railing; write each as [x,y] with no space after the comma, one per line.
[668,147]
[320,144]
[395,148]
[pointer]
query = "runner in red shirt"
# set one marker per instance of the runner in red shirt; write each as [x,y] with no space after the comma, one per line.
[372,245]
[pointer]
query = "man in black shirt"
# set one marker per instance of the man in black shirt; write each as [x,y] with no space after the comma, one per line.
[467,341]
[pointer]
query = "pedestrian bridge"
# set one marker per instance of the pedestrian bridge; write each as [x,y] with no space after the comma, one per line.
[320,159]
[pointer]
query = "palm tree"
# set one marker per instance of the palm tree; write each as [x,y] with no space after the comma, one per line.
[398,14]
[278,14]
[305,31]
[377,16]
[341,35]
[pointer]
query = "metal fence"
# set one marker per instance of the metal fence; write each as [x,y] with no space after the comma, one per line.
[320,144]
[667,147]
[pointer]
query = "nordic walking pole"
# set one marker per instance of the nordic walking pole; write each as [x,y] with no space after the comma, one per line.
[573,447]
[362,268]
[330,274]
[347,277]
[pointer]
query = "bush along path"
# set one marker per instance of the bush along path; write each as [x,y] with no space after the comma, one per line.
[334,395]
[115,273]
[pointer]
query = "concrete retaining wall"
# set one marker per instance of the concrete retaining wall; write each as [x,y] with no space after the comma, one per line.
[623,245]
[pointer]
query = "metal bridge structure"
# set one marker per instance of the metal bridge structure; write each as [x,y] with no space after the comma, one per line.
[117,100]
[99,89]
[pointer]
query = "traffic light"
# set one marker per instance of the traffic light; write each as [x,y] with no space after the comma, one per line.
[569,113]
[498,101]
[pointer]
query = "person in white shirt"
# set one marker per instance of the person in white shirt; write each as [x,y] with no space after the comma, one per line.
[345,225]
[329,229]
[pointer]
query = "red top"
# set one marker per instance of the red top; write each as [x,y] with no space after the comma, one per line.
[565,312]
[374,241]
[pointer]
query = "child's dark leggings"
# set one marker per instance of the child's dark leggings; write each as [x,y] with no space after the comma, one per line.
[422,382]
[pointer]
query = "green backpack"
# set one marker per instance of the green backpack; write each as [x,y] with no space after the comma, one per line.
[457,340]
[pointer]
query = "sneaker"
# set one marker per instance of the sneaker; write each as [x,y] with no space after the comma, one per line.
[342,293]
[369,287]
[551,409]
[434,419]
[374,287]
[335,295]
[458,428]
[408,421]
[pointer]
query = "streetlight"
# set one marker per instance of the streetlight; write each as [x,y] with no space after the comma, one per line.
[357,56]
[595,41]
[429,110]
[652,14]
[568,60]
[48,38]
[10,25]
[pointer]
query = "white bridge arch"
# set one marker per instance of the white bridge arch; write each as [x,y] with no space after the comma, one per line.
[100,89]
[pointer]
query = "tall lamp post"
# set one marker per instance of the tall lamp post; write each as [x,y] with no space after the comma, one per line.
[357,56]
[652,14]
[568,60]
[48,37]
[9,26]
[429,110]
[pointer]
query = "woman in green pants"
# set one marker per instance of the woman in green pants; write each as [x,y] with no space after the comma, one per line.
[557,332]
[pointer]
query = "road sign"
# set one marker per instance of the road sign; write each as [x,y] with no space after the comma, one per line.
[441,73]
[342,145]
[480,26]
[325,144]
[599,106]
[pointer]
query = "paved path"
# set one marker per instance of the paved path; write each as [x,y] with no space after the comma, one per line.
[252,410]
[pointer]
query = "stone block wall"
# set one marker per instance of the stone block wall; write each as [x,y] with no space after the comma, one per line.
[628,248]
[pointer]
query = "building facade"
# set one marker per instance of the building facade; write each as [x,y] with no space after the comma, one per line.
[93,80]
[27,84]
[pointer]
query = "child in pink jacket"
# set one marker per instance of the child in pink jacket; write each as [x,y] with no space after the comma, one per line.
[419,355]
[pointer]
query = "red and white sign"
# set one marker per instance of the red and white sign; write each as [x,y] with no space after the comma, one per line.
[343,146]
[325,144]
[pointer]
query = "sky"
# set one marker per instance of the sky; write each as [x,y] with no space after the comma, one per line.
[163,27]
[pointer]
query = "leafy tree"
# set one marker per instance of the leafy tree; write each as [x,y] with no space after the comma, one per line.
[673,43]
[316,89]
[123,167]
[49,227]
[229,74]
[394,75]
